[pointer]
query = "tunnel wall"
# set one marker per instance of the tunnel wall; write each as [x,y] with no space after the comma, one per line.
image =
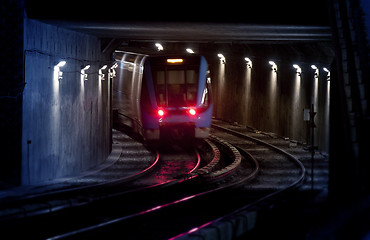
[272,102]
[66,122]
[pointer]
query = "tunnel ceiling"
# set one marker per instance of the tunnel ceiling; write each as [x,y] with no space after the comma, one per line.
[189,20]
[121,24]
[191,31]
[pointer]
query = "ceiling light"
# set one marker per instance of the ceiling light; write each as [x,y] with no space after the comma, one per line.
[189,50]
[273,66]
[327,70]
[298,69]
[249,62]
[222,58]
[159,46]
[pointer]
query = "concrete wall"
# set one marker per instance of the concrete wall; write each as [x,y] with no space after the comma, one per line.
[66,122]
[268,101]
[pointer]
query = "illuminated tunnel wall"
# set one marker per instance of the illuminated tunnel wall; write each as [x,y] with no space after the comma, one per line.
[66,119]
[271,101]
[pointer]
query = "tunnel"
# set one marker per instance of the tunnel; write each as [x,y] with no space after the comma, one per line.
[67,103]
[272,64]
[276,96]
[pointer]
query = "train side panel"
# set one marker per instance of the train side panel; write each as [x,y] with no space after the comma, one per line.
[148,105]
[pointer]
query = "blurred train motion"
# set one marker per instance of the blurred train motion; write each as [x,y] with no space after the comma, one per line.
[163,96]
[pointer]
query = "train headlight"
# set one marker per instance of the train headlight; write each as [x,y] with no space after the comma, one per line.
[160,113]
[192,111]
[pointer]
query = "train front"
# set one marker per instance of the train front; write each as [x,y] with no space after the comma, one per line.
[178,93]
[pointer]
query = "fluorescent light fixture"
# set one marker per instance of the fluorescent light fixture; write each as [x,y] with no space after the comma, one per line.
[61,63]
[86,67]
[159,46]
[111,71]
[249,62]
[316,70]
[101,74]
[298,69]
[115,65]
[57,73]
[189,50]
[222,58]
[273,66]
[83,74]
[104,67]
[327,70]
[314,67]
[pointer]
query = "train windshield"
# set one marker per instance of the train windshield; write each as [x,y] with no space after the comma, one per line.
[176,87]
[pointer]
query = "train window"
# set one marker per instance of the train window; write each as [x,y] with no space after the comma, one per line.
[160,77]
[176,86]
[192,86]
[191,76]
[160,87]
[176,77]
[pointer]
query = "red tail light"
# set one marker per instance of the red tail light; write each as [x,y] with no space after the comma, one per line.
[160,112]
[192,111]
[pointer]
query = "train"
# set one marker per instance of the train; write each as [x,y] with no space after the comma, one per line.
[163,96]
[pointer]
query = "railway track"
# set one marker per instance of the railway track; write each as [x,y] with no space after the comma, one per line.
[161,221]
[235,188]
[279,173]
[58,212]
[185,188]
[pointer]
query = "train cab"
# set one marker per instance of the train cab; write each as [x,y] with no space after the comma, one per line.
[176,97]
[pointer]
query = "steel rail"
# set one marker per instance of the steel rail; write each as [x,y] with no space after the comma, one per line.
[108,223]
[290,156]
[69,192]
[239,212]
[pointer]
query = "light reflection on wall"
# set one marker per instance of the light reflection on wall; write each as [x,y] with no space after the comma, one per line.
[55,123]
[327,116]
[314,99]
[272,88]
[296,106]
[56,101]
[248,95]
[82,84]
[273,96]
[221,87]
[100,106]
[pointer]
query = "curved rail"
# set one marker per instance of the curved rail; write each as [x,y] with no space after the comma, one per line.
[290,156]
[244,218]
[107,224]
[197,164]
[45,197]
